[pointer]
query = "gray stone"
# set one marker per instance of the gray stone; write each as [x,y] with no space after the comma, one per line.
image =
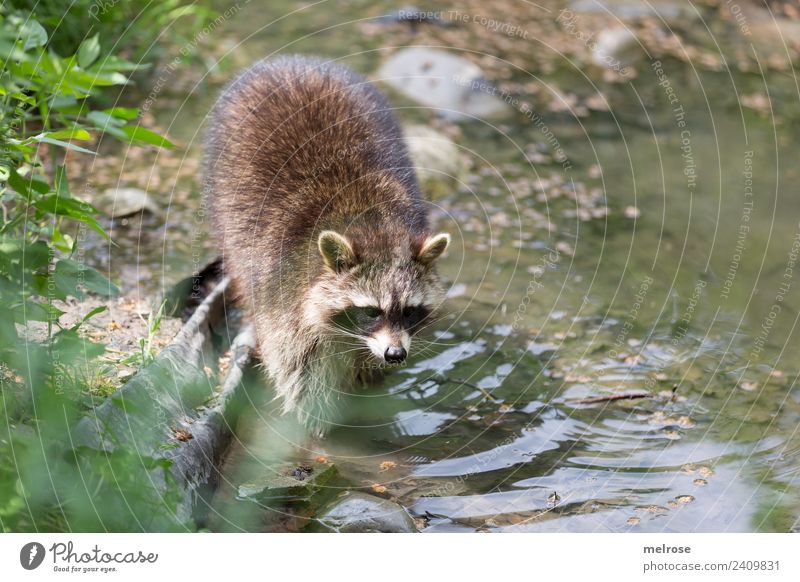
[451,85]
[355,512]
[435,156]
[122,202]
[616,48]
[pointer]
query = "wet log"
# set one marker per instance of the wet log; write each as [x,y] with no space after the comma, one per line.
[174,408]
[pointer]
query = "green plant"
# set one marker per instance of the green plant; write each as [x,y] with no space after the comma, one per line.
[50,109]
[132,26]
[146,353]
[46,107]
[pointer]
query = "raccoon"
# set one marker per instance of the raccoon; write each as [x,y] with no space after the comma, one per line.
[322,226]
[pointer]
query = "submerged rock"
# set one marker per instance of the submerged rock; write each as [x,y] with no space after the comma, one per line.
[617,48]
[453,86]
[288,482]
[356,512]
[435,156]
[122,202]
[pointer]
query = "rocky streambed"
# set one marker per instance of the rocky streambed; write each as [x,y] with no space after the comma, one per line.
[598,252]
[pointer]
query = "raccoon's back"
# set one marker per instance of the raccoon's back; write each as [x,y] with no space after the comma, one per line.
[297,146]
[294,141]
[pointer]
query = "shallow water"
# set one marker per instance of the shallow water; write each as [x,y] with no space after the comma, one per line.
[657,274]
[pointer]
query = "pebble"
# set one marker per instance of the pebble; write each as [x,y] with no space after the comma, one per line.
[356,512]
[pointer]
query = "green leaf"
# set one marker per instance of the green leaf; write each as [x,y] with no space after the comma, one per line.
[34,311]
[103,120]
[62,184]
[126,113]
[116,64]
[139,134]
[88,316]
[32,35]
[69,276]
[87,82]
[77,133]
[19,185]
[28,185]
[62,242]
[13,253]
[74,209]
[39,183]
[89,51]
[23,98]
[73,349]
[67,145]
[67,104]
[36,256]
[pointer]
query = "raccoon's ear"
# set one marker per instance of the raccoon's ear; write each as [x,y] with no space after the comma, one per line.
[336,251]
[433,247]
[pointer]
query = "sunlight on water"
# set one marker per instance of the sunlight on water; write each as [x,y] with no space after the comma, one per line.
[486,424]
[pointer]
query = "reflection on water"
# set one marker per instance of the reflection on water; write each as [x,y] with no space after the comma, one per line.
[646,265]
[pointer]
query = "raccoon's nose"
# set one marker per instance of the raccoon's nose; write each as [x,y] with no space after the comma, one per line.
[395,354]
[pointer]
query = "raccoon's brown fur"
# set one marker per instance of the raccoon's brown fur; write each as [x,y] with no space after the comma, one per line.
[317,208]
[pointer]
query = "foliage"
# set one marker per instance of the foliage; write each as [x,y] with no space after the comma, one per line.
[133,26]
[49,112]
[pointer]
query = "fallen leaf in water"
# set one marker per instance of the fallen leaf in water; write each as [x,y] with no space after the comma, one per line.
[183,435]
[748,386]
[634,520]
[700,482]
[378,488]
[386,465]
[706,471]
[684,498]
[322,459]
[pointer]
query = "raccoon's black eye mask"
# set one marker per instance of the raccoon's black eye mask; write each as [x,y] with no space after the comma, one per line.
[413,317]
[365,319]
[369,319]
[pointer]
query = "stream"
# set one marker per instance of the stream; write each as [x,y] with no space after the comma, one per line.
[650,246]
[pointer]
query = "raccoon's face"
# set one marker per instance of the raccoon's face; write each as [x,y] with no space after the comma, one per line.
[380,304]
